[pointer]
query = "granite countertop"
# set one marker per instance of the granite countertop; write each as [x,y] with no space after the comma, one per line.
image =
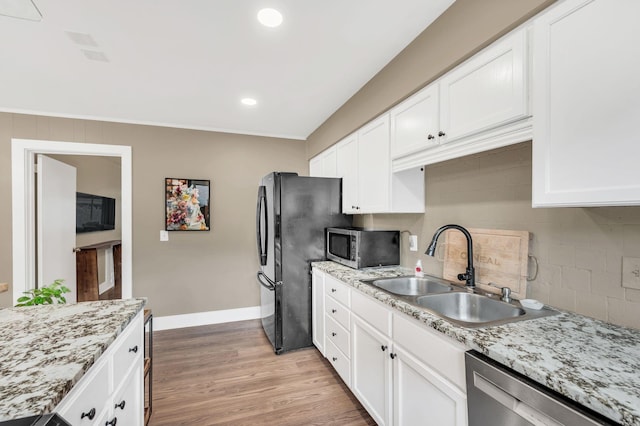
[591,362]
[45,350]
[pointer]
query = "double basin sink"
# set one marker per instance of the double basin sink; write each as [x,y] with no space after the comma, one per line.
[459,305]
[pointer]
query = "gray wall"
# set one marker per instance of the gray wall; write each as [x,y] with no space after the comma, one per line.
[194,271]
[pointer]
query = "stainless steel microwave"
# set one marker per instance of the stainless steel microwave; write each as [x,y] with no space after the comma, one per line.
[361,248]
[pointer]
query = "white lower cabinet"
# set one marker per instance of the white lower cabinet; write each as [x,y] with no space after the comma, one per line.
[111,391]
[371,367]
[317,310]
[423,397]
[401,371]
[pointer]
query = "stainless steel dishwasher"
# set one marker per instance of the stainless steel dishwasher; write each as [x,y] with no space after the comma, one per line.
[497,395]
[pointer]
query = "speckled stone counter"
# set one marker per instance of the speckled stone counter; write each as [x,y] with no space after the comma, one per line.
[45,350]
[591,362]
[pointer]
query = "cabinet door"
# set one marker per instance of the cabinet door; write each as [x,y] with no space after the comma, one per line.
[324,164]
[586,104]
[317,310]
[329,163]
[373,166]
[488,91]
[347,169]
[315,166]
[128,400]
[422,397]
[371,370]
[415,123]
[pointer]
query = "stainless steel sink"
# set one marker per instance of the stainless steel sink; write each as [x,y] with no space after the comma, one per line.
[470,308]
[412,286]
[465,307]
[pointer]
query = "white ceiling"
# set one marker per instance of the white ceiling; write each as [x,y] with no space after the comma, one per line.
[187,63]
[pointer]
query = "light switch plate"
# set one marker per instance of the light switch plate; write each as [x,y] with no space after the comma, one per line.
[631,272]
[164,235]
[413,242]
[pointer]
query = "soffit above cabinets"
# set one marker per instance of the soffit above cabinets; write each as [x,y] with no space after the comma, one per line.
[188,64]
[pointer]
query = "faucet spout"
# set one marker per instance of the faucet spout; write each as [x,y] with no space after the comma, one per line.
[470,275]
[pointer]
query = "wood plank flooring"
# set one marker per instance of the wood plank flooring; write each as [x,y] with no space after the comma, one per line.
[227,374]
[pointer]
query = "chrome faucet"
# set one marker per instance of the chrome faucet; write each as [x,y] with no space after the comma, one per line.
[470,275]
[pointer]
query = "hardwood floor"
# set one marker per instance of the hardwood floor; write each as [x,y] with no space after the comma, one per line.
[227,374]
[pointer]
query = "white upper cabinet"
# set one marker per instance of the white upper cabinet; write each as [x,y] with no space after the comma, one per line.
[324,164]
[415,123]
[586,104]
[368,186]
[373,166]
[347,169]
[480,105]
[487,91]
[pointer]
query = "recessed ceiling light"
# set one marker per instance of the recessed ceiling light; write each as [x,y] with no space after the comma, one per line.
[270,17]
[248,101]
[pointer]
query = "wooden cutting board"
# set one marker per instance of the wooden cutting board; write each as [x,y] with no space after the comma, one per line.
[499,256]
[4,287]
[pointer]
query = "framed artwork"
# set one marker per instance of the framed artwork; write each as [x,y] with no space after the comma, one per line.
[187,204]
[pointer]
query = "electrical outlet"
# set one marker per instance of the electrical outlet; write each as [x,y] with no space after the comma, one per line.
[631,272]
[413,243]
[164,235]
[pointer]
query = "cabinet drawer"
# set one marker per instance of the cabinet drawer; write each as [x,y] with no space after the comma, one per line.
[129,351]
[340,362]
[372,311]
[339,336]
[91,397]
[442,354]
[337,290]
[337,311]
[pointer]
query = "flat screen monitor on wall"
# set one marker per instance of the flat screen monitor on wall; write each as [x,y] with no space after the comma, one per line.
[94,213]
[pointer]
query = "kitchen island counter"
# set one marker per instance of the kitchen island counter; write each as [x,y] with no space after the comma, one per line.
[589,361]
[45,350]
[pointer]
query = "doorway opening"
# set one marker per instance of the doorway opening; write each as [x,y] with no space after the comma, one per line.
[23,152]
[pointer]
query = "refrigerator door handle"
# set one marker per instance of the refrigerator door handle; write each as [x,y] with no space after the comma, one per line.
[268,284]
[262,202]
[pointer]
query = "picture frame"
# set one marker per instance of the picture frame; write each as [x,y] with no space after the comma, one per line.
[187,204]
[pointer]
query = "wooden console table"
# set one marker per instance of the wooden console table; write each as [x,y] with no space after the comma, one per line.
[87,282]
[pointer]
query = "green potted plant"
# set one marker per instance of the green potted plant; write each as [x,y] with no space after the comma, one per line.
[45,295]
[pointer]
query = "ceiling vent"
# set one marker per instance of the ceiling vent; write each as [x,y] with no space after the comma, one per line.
[95,56]
[81,39]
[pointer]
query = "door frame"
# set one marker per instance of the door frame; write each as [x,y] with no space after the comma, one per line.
[23,206]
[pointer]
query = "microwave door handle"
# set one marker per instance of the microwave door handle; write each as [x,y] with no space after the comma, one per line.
[260,213]
[269,285]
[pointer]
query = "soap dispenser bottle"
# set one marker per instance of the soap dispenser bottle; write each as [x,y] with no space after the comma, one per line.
[418,270]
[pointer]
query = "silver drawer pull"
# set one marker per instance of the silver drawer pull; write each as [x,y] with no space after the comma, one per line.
[134,349]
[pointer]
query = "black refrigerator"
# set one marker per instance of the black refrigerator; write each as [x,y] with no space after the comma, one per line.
[291,216]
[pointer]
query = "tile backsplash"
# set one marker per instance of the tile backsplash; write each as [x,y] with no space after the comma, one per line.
[579,250]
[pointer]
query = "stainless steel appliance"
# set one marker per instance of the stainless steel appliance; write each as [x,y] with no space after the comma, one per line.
[497,395]
[361,248]
[291,216]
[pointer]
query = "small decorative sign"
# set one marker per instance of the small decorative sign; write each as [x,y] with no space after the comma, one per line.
[187,204]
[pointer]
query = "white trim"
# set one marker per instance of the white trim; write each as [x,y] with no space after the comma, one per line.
[205,318]
[516,132]
[23,209]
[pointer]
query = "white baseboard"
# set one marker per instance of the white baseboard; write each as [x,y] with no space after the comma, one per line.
[205,318]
